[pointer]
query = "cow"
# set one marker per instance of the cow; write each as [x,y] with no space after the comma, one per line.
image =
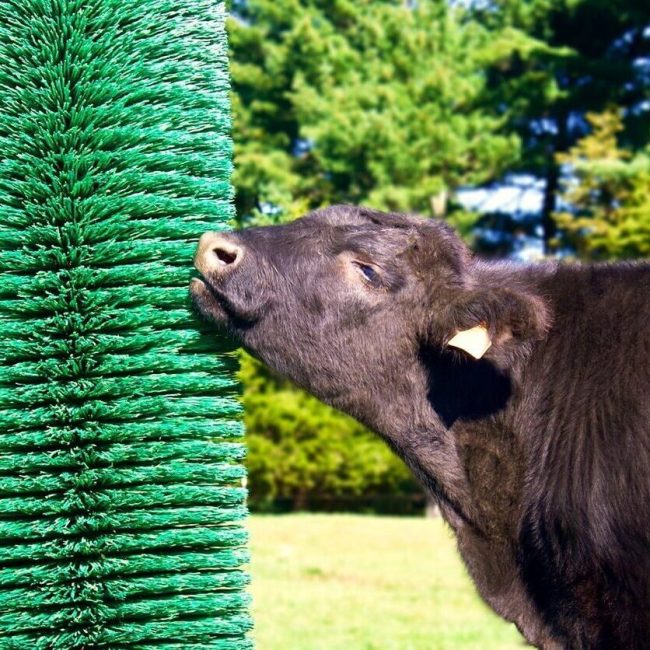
[516,394]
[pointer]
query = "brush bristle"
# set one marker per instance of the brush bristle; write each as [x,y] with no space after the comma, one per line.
[121,498]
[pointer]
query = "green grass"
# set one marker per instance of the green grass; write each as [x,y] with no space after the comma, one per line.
[353,582]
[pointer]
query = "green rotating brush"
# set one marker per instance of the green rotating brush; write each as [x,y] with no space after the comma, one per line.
[121,499]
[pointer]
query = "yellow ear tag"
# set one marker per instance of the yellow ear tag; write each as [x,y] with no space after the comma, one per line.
[475,341]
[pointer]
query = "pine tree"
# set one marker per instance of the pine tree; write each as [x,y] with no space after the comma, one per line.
[607,193]
[561,60]
[375,102]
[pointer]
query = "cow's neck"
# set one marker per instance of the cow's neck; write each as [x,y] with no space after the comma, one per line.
[462,446]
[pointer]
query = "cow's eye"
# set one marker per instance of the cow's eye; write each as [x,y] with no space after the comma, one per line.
[369,274]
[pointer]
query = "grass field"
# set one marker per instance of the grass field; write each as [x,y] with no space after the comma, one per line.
[354,582]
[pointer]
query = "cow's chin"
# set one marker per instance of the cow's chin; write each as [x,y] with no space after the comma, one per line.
[223,308]
[207,303]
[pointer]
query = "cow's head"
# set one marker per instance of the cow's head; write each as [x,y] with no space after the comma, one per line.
[350,303]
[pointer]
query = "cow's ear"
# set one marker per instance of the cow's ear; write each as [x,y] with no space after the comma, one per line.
[478,320]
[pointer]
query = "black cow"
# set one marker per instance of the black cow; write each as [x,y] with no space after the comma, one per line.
[518,395]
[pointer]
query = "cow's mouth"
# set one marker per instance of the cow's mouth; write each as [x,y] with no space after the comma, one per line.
[209,300]
[216,305]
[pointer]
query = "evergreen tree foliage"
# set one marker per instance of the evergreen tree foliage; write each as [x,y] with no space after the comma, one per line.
[564,59]
[301,449]
[365,101]
[608,191]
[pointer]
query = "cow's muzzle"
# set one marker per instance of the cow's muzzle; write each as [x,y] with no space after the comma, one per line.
[217,255]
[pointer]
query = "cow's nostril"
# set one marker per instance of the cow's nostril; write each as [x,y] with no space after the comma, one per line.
[226,256]
[218,253]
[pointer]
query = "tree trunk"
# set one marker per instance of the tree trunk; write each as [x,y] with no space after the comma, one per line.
[560,144]
[431,507]
[549,204]
[439,204]
[300,499]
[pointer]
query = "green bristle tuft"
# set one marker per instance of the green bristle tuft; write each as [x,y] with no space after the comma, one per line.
[121,498]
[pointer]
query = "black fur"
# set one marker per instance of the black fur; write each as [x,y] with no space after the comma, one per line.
[539,453]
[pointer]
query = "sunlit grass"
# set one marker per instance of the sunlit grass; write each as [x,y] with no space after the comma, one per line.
[352,582]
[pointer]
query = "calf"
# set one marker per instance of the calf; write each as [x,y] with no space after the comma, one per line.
[518,396]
